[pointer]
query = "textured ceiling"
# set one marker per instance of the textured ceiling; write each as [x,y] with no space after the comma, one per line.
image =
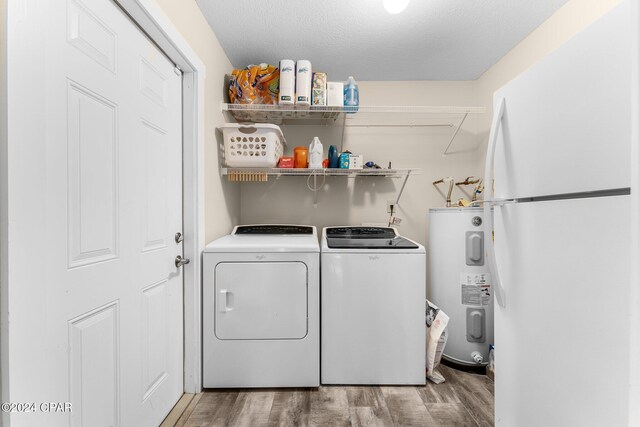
[430,40]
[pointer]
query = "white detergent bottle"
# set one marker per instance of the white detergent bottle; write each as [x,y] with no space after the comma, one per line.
[315,154]
[303,82]
[287,82]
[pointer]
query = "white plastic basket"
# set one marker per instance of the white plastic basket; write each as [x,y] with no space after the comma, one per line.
[252,145]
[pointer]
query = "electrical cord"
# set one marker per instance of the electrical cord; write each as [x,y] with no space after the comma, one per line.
[315,172]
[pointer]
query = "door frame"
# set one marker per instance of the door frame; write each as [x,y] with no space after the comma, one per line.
[152,19]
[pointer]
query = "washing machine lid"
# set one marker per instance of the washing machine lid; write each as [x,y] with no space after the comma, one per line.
[373,238]
[267,238]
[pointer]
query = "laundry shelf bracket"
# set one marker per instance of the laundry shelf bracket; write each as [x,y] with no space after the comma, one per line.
[455,133]
[404,183]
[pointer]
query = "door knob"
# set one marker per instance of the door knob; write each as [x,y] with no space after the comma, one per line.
[179,237]
[181,261]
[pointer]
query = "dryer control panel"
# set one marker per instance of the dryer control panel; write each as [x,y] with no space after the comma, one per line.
[273,229]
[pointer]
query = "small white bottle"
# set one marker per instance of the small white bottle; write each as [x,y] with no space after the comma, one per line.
[287,82]
[303,82]
[315,154]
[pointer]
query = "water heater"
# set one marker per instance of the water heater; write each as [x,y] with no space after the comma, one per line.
[460,283]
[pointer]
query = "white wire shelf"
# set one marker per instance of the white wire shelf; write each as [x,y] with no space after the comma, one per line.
[364,116]
[260,113]
[254,174]
[263,174]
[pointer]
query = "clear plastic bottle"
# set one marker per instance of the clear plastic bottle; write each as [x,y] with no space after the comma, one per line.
[351,94]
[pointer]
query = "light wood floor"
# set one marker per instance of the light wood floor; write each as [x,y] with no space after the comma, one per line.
[463,400]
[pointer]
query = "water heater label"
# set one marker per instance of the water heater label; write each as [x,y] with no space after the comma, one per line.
[475,289]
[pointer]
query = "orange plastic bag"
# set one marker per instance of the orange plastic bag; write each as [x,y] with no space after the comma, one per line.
[256,84]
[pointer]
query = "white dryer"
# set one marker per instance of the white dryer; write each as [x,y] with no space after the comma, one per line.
[261,308]
[373,302]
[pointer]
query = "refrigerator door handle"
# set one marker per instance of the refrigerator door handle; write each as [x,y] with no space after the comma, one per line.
[488,214]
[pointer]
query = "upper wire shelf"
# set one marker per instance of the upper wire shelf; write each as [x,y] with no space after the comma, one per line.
[261,113]
[391,116]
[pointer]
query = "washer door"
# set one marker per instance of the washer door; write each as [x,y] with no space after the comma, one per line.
[260,300]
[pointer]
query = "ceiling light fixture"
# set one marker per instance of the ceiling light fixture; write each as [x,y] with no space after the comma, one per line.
[395,6]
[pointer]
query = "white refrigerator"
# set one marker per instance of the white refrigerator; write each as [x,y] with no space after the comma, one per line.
[560,156]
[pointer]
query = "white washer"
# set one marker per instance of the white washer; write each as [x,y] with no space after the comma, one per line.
[260,308]
[373,307]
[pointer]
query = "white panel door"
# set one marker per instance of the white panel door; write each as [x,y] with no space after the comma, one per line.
[261,300]
[562,343]
[567,121]
[113,173]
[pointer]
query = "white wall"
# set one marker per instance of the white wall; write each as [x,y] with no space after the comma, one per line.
[364,200]
[222,201]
